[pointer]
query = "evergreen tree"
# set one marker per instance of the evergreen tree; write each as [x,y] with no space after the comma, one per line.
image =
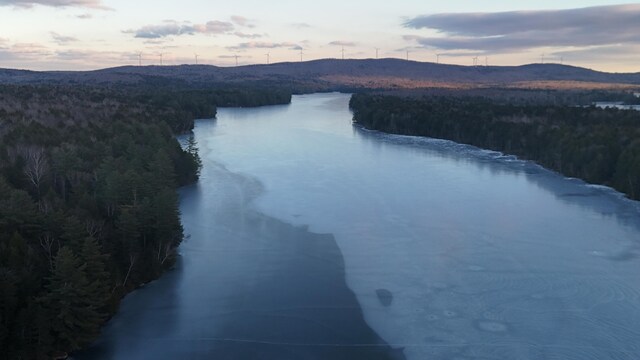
[88,202]
[95,270]
[192,149]
[8,304]
[74,233]
[76,319]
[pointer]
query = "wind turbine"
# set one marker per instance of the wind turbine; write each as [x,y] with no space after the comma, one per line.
[475,61]
[161,58]
[301,53]
[486,61]
[140,58]
[268,55]
[196,55]
[236,56]
[377,50]
[407,55]
[542,58]
[438,58]
[343,53]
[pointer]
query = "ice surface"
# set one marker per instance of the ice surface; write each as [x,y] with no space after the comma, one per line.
[452,252]
[248,286]
[486,256]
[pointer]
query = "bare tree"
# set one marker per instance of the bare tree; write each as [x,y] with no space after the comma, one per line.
[94,228]
[132,261]
[45,206]
[36,166]
[165,252]
[47,242]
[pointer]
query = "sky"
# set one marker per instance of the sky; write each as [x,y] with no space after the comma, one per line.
[92,34]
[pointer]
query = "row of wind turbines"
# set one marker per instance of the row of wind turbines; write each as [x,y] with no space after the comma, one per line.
[476,59]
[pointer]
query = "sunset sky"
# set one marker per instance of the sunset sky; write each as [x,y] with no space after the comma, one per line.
[91,34]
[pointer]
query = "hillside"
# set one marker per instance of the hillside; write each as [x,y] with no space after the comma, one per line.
[332,74]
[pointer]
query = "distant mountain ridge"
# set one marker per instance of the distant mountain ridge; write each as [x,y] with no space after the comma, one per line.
[334,74]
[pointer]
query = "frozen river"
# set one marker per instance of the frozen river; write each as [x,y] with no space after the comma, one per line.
[314,239]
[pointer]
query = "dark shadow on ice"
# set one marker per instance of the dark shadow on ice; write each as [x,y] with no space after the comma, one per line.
[298,306]
[149,312]
[248,287]
[385,296]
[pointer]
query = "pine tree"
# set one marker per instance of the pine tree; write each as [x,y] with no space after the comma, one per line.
[129,229]
[76,319]
[32,334]
[162,170]
[74,233]
[192,149]
[95,270]
[8,302]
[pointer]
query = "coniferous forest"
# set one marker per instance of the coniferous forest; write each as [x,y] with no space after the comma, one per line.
[601,146]
[88,202]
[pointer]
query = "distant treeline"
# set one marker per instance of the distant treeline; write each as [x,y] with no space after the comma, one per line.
[88,202]
[515,96]
[177,105]
[601,146]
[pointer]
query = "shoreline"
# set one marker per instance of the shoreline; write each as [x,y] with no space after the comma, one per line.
[262,287]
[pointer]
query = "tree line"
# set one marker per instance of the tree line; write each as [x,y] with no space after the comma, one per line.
[601,146]
[88,202]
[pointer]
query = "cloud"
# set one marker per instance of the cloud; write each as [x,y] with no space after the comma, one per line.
[157,41]
[162,30]
[96,56]
[409,48]
[24,51]
[247,36]
[27,55]
[84,16]
[215,27]
[96,4]
[520,30]
[75,54]
[301,25]
[342,43]
[242,21]
[174,28]
[61,39]
[265,45]
[601,53]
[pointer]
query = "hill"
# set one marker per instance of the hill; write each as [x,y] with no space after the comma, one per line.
[333,74]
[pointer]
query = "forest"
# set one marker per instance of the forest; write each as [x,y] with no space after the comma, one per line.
[600,146]
[88,202]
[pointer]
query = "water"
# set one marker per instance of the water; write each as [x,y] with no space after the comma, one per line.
[312,238]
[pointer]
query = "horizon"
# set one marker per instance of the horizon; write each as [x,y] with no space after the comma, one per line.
[65,35]
[227,66]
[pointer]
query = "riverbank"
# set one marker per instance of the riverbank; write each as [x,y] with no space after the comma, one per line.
[248,286]
[484,255]
[599,145]
[450,251]
[89,208]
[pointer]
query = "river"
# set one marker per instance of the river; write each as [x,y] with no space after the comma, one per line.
[311,238]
